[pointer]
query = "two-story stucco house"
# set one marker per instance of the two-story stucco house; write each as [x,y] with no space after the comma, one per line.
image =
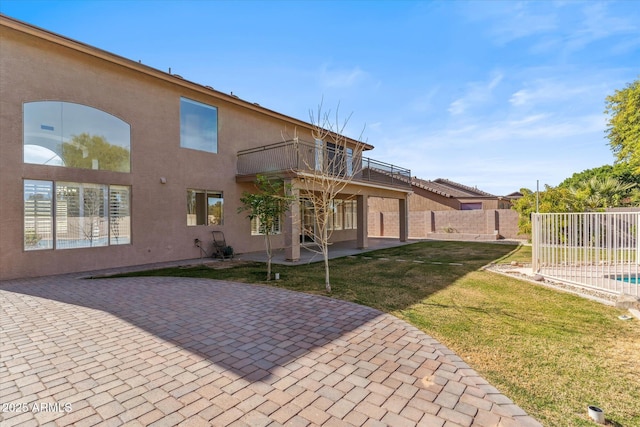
[106,162]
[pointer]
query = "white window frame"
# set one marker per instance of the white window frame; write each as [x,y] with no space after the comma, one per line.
[258,230]
[52,221]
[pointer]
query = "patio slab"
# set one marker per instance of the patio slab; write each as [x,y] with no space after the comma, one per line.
[178,351]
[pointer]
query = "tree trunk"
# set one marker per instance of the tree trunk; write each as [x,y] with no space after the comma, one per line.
[327,285]
[268,244]
[325,253]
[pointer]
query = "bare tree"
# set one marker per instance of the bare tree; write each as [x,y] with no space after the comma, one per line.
[85,206]
[92,219]
[325,168]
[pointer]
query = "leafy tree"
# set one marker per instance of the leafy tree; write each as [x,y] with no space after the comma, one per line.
[85,148]
[624,124]
[634,197]
[594,191]
[268,206]
[620,171]
[605,186]
[552,199]
[624,173]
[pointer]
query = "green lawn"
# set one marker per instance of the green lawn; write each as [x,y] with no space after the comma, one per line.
[552,353]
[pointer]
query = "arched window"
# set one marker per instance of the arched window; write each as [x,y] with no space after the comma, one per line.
[75,136]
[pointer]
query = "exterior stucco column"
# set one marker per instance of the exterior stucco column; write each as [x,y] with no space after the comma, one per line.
[292,225]
[363,224]
[403,219]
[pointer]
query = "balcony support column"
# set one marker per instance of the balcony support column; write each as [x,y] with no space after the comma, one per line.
[363,224]
[292,224]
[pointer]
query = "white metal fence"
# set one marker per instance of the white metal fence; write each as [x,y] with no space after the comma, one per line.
[594,250]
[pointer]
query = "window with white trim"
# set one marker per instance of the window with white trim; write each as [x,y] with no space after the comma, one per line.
[257,229]
[67,215]
[350,214]
[335,220]
[343,215]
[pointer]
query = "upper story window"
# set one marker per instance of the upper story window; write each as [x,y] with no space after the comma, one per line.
[198,126]
[75,136]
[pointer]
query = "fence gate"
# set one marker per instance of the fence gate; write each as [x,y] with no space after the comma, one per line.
[595,250]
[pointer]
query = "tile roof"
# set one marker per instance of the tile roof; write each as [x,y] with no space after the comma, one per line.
[447,188]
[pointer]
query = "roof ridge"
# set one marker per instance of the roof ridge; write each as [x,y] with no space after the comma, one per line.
[423,183]
[465,187]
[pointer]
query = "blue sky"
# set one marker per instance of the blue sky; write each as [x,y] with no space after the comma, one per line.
[493,94]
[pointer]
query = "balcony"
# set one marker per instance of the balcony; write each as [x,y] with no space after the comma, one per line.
[300,158]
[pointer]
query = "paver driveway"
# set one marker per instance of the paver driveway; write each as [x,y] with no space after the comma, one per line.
[167,351]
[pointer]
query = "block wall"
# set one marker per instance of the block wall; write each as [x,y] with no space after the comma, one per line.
[422,223]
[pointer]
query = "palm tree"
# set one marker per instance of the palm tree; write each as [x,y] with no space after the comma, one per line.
[601,192]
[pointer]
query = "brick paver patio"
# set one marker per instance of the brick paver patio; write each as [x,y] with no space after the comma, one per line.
[164,351]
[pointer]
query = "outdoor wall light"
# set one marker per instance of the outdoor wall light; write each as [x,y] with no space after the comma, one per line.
[163,180]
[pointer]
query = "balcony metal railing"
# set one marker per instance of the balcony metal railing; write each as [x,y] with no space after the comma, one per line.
[300,157]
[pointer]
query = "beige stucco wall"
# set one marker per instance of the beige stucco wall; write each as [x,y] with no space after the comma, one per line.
[34,69]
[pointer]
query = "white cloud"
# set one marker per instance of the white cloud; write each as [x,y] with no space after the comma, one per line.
[552,92]
[477,94]
[539,127]
[597,25]
[458,106]
[564,128]
[514,20]
[625,46]
[561,27]
[342,78]
[521,97]
[540,91]
[424,103]
[376,127]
